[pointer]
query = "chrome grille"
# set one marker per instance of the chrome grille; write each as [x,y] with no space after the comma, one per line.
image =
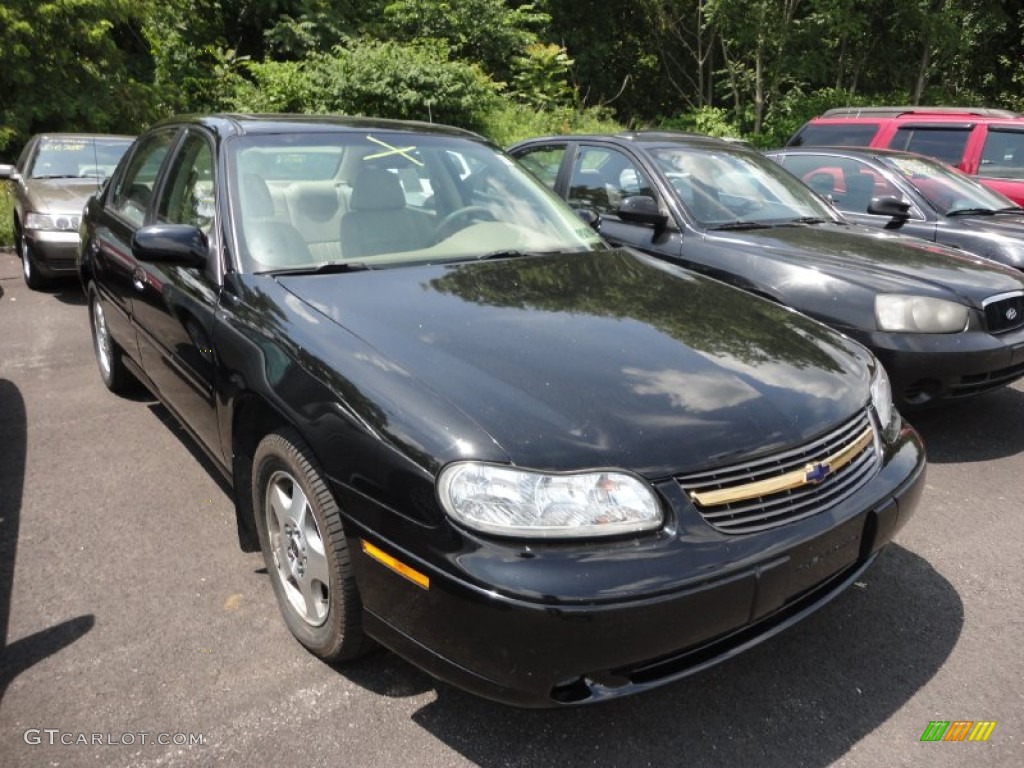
[741,498]
[1004,313]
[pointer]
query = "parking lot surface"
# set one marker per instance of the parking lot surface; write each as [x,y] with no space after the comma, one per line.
[133,632]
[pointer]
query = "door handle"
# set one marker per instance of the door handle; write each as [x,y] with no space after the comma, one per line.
[139,279]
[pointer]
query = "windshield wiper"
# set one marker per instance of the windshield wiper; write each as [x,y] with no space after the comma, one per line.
[320,269]
[807,220]
[1010,209]
[737,225]
[512,253]
[970,212]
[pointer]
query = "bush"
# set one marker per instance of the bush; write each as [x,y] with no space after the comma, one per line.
[6,214]
[509,122]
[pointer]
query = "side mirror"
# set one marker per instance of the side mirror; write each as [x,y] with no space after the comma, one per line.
[641,209]
[590,217]
[8,172]
[890,206]
[174,245]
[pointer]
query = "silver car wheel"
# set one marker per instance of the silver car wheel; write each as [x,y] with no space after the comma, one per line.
[300,562]
[101,339]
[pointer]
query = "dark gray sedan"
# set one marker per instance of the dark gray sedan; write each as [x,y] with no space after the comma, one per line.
[914,195]
[53,177]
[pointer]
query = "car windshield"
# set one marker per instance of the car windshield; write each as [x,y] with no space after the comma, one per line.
[72,157]
[947,190]
[379,198]
[729,188]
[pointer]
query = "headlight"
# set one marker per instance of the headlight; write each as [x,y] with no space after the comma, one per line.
[881,398]
[517,502]
[919,314]
[61,222]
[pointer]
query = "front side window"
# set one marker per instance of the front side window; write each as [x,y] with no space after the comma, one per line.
[603,177]
[134,189]
[849,183]
[1003,155]
[188,195]
[945,144]
[388,199]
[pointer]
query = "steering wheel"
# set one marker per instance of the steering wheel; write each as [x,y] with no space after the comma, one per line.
[453,222]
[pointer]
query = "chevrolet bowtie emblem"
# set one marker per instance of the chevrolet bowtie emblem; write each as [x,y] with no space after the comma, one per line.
[815,473]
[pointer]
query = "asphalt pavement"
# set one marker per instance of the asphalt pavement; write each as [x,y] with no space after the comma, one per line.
[133,632]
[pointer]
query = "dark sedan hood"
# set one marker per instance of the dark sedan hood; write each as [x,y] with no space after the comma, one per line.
[61,195]
[601,359]
[877,261]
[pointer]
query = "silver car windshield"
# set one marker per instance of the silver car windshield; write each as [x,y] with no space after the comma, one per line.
[947,190]
[723,187]
[76,157]
[384,198]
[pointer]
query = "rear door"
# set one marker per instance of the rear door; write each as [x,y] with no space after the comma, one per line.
[126,208]
[174,306]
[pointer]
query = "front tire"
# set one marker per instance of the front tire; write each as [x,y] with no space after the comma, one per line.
[305,550]
[29,269]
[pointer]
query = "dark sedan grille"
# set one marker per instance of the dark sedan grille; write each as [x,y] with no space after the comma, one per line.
[1005,313]
[766,493]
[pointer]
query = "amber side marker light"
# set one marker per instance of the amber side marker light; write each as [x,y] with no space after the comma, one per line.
[378,554]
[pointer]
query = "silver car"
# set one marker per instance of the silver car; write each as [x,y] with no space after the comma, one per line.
[54,176]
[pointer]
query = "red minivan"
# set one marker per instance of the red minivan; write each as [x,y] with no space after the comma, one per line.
[986,143]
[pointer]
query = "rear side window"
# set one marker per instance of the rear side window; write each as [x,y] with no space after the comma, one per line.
[944,144]
[1003,155]
[857,134]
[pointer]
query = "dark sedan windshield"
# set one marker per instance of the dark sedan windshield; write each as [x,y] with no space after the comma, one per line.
[947,190]
[737,188]
[380,198]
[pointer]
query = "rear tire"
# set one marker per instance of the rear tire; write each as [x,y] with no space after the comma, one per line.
[116,377]
[305,551]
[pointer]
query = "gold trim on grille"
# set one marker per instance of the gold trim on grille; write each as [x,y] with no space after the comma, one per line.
[787,482]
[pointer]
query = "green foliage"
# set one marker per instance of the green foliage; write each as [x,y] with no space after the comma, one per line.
[712,121]
[380,79]
[509,122]
[6,214]
[542,77]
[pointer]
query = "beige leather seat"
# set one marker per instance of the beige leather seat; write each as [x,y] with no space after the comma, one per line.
[378,220]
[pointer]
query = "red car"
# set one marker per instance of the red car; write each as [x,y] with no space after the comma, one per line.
[986,143]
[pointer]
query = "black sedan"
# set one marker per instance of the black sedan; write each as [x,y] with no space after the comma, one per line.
[945,324]
[459,425]
[913,195]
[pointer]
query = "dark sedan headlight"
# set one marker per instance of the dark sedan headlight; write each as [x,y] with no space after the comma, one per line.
[517,502]
[919,314]
[53,222]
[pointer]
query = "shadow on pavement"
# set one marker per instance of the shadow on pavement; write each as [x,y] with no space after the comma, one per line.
[24,653]
[990,426]
[804,698]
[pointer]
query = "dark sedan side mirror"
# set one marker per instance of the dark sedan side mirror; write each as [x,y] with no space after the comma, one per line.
[641,209]
[178,245]
[890,206]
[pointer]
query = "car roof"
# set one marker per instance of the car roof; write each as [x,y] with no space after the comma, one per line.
[232,124]
[865,152]
[653,138]
[856,112]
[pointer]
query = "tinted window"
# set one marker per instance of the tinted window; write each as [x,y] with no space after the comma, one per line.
[945,144]
[135,187]
[857,134]
[849,183]
[1003,155]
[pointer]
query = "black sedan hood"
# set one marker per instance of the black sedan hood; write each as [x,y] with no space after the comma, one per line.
[877,261]
[601,359]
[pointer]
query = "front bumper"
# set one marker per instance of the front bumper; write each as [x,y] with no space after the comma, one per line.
[570,624]
[927,368]
[54,252]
